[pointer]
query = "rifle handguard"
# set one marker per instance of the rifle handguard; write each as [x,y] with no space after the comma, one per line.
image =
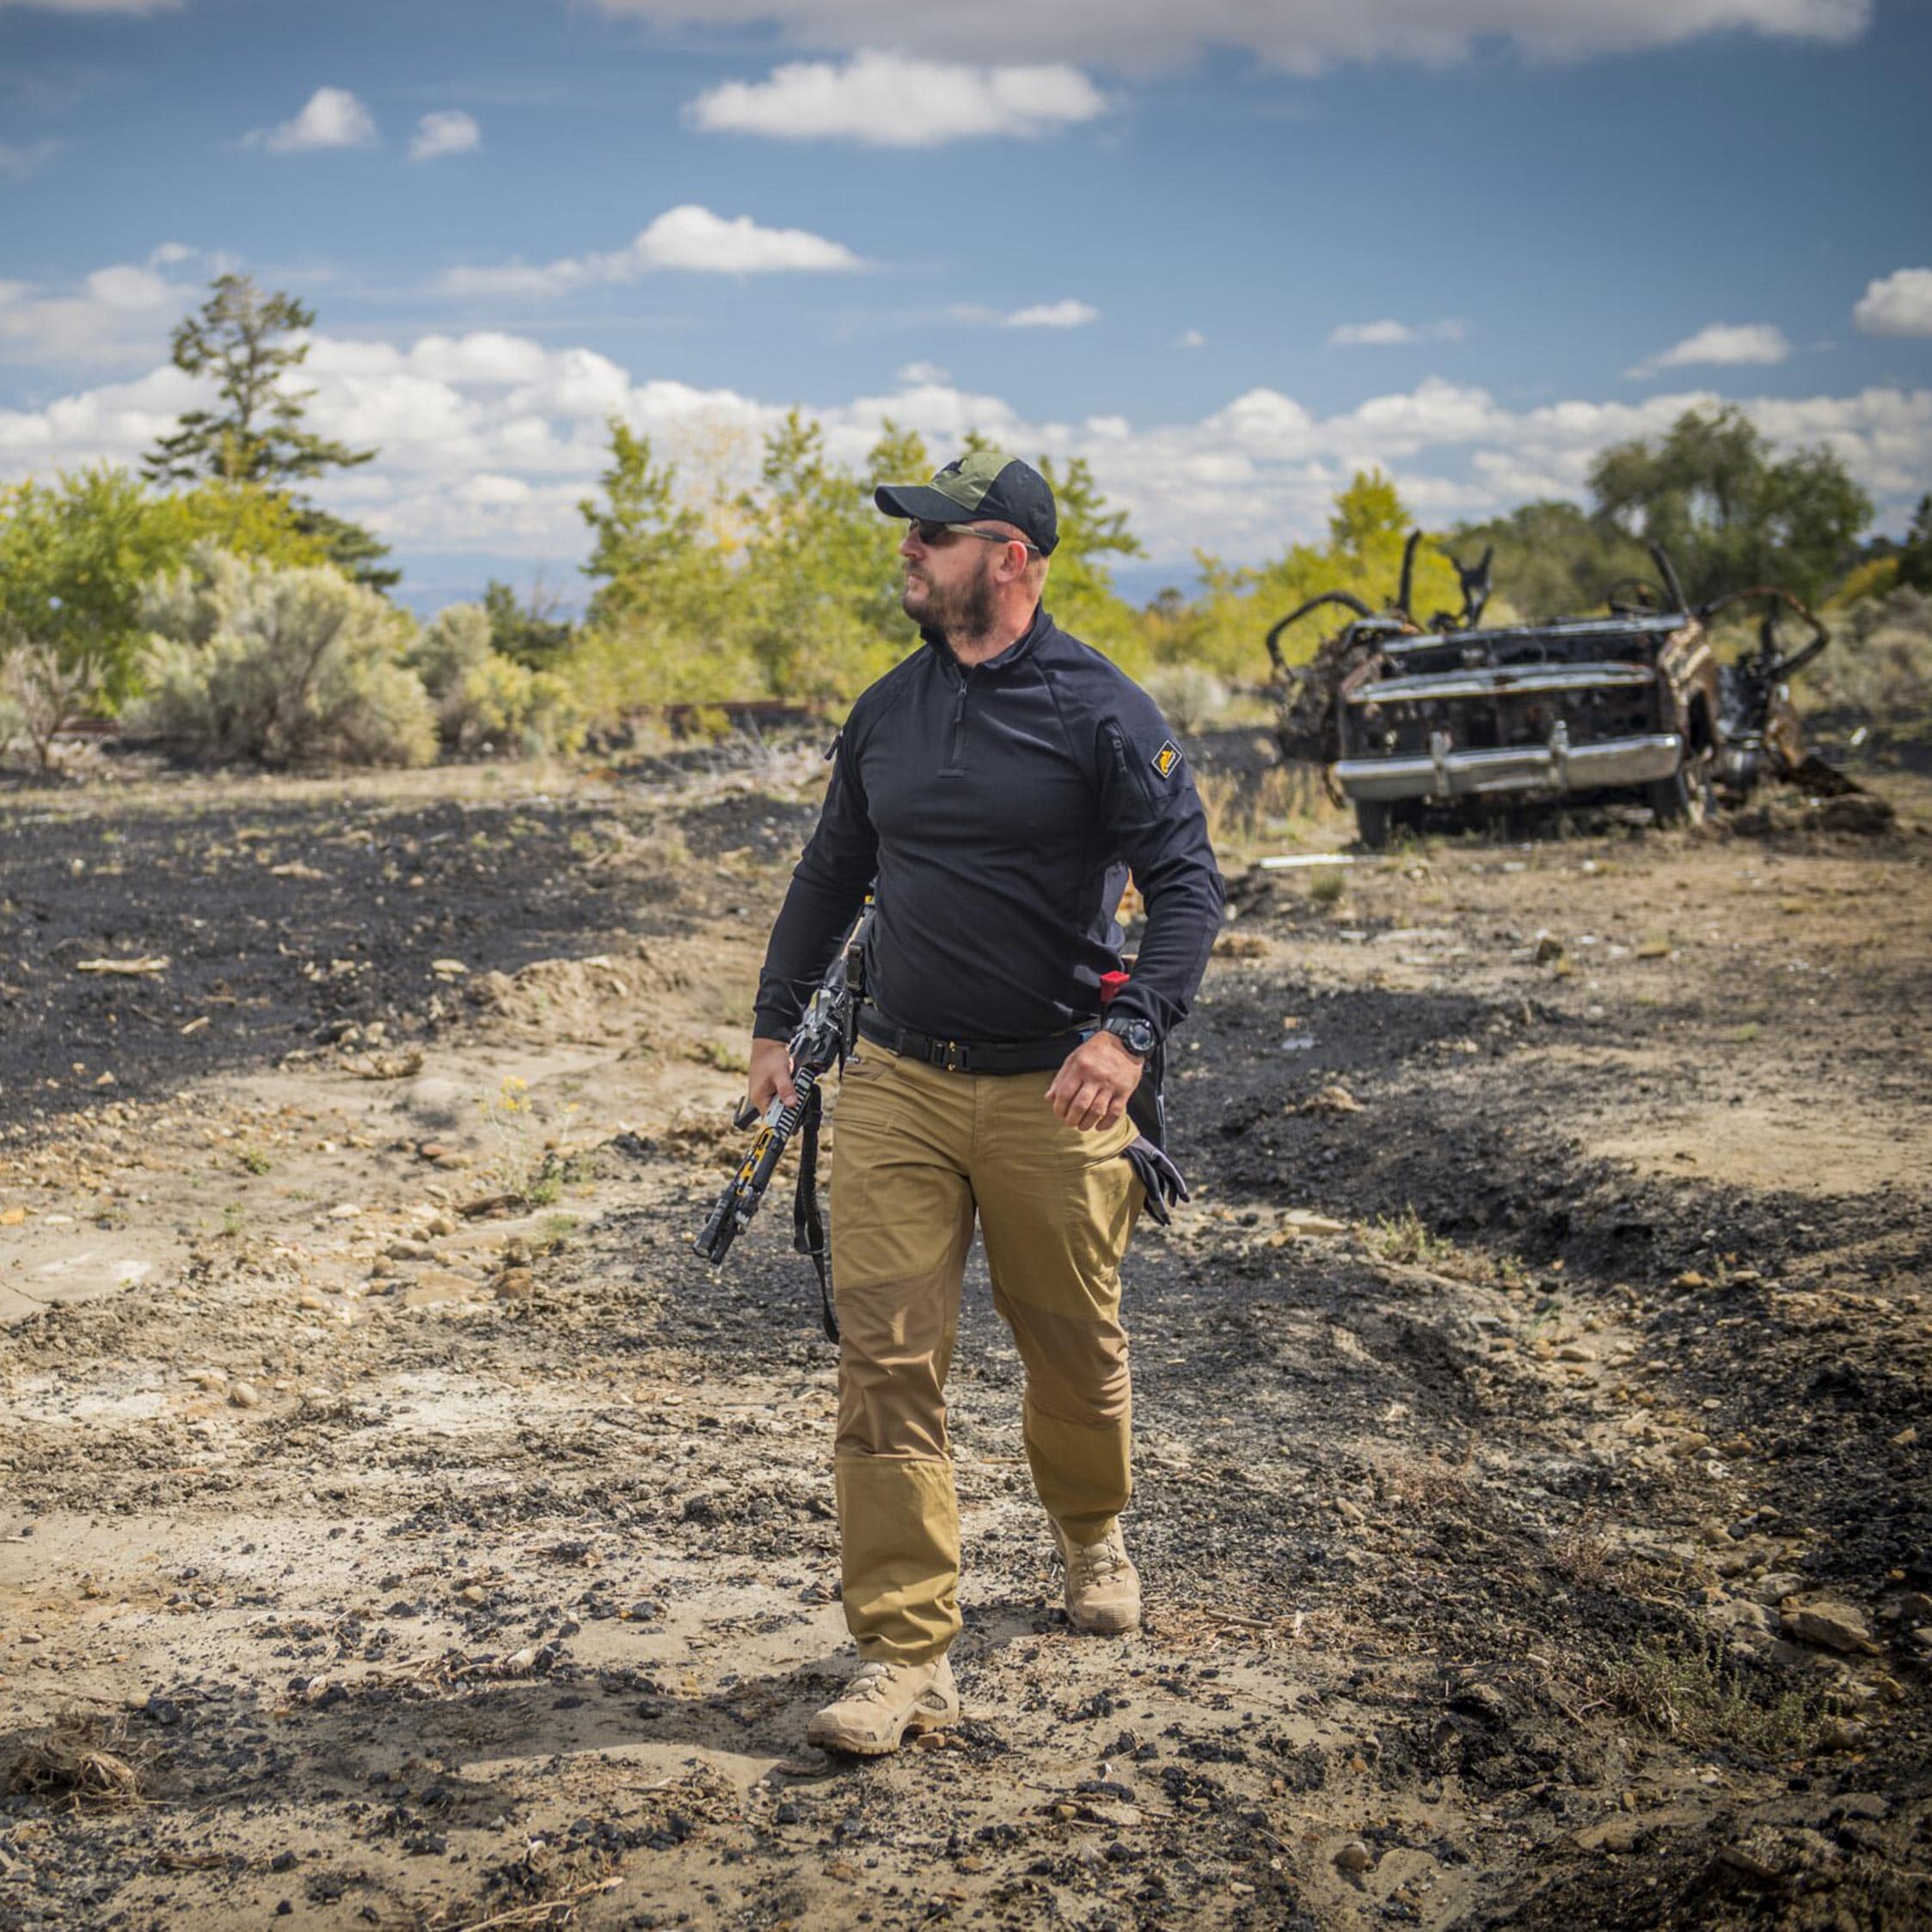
[817,1047]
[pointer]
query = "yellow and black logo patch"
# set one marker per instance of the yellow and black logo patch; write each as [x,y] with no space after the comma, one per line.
[1166,758]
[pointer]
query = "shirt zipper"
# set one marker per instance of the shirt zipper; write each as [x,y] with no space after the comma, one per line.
[959,723]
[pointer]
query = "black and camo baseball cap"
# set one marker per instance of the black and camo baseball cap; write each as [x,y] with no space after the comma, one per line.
[985,485]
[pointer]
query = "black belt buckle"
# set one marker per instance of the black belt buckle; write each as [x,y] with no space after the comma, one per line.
[953,1057]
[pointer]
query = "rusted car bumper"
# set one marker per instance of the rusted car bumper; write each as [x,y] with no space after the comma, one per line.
[1554,766]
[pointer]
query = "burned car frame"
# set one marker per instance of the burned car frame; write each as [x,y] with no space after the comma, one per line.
[1447,716]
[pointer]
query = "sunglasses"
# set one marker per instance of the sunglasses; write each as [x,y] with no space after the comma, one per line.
[932,535]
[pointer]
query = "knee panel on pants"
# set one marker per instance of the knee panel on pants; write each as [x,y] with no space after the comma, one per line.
[1076,1364]
[897,1338]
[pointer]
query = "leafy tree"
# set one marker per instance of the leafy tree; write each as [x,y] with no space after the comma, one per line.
[259,438]
[639,527]
[250,519]
[647,552]
[77,554]
[1370,521]
[659,628]
[73,557]
[356,552]
[1368,529]
[251,344]
[1915,554]
[1553,559]
[1080,582]
[524,631]
[897,454]
[818,586]
[1709,491]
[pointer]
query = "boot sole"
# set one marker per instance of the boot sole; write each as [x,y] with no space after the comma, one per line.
[915,1721]
[1104,1627]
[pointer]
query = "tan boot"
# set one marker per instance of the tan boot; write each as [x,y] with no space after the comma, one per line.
[881,1703]
[1103,1587]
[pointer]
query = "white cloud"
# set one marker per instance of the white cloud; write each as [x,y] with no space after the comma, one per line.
[696,239]
[914,373]
[1068,314]
[1722,346]
[451,132]
[333,118]
[889,101]
[1304,37]
[17,162]
[488,439]
[1065,314]
[1900,303]
[125,288]
[1388,334]
[120,314]
[1191,340]
[114,423]
[687,238]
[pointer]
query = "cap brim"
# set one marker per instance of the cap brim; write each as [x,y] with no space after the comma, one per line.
[921,500]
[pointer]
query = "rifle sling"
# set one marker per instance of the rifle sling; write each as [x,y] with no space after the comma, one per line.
[808,1226]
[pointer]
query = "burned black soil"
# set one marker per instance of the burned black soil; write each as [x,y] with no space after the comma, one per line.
[278,918]
[1531,1471]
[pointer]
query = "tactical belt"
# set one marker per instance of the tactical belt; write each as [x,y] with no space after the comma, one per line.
[968,1056]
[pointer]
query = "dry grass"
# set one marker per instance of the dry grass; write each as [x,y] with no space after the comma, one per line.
[1281,805]
[83,1759]
[1583,1557]
[1427,1482]
[1880,661]
[1407,1242]
[1688,1691]
[1326,888]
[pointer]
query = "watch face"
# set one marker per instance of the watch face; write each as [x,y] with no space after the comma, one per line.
[1137,1034]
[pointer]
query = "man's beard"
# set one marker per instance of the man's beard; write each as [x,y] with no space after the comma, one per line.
[967,610]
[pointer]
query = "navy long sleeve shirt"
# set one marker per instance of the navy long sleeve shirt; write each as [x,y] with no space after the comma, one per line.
[1001,807]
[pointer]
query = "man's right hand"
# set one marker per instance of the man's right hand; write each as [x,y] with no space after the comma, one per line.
[771,1075]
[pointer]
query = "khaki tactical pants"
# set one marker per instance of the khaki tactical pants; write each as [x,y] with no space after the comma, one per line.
[916,1151]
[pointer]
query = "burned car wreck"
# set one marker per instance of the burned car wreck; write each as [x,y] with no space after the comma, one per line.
[1447,717]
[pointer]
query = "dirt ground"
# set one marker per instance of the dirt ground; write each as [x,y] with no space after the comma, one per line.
[399,1527]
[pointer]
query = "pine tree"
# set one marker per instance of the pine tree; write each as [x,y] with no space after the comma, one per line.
[251,342]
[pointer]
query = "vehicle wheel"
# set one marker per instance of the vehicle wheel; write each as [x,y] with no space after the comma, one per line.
[1371,823]
[1683,798]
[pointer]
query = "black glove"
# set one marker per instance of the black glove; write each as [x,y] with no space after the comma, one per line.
[1160,1179]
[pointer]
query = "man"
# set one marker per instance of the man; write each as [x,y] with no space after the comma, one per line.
[1000,783]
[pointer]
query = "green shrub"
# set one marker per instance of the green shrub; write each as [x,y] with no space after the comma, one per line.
[453,642]
[284,666]
[486,702]
[1880,658]
[39,694]
[627,665]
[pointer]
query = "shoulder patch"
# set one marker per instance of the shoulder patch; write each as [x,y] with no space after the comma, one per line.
[1166,758]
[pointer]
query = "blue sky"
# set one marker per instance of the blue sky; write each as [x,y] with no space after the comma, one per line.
[1227,252]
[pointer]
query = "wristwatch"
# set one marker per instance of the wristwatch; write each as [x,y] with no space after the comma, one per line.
[1137,1035]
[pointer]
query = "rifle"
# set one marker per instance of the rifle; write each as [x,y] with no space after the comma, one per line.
[822,1040]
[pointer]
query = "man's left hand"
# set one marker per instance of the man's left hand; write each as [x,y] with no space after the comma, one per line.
[1095,1083]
